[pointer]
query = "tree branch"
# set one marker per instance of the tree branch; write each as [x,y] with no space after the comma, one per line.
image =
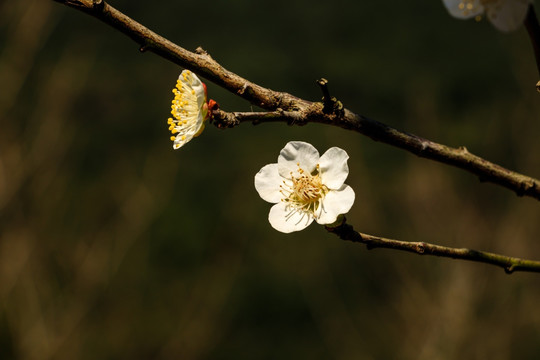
[293,110]
[509,264]
[198,61]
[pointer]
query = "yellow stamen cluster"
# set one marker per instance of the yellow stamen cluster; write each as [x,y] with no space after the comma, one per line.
[304,192]
[471,6]
[467,6]
[186,122]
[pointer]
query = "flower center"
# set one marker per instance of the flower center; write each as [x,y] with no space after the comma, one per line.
[304,192]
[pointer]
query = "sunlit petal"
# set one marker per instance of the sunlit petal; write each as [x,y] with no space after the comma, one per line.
[334,168]
[294,153]
[283,219]
[267,182]
[335,203]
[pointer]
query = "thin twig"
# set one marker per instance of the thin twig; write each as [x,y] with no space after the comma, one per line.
[286,107]
[486,171]
[533,29]
[509,264]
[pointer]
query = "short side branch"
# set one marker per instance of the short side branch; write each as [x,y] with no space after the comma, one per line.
[509,264]
[460,157]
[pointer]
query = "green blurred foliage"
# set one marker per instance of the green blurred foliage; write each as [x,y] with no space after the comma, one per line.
[112,245]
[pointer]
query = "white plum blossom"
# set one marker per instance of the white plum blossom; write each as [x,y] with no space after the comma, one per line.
[305,187]
[505,15]
[189,109]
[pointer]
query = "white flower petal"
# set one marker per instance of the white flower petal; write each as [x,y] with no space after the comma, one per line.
[336,202]
[464,9]
[334,168]
[267,182]
[197,85]
[303,195]
[282,219]
[188,131]
[294,153]
[188,109]
[507,15]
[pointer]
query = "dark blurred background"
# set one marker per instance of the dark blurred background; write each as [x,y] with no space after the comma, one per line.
[114,246]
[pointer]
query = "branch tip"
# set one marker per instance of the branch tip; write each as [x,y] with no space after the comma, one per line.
[323,83]
[331,105]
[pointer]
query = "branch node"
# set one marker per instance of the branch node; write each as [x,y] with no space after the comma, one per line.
[510,269]
[524,188]
[423,145]
[245,88]
[201,51]
[331,105]
[291,120]
[421,248]
[278,99]
[224,120]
